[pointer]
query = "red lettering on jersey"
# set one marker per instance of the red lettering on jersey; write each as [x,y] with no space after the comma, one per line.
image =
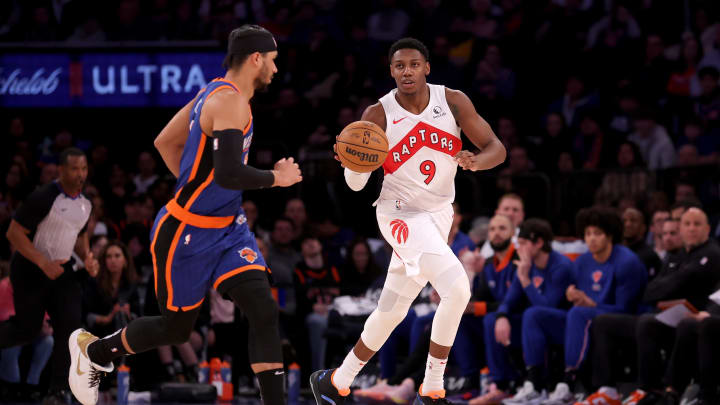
[421,135]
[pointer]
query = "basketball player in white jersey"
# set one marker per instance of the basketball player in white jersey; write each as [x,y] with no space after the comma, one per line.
[423,123]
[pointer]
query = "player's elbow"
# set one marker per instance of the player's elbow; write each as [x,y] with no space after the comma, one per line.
[501,153]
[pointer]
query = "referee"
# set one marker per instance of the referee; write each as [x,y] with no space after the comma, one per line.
[45,230]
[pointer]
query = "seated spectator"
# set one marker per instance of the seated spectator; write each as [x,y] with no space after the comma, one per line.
[652,139]
[111,299]
[541,279]
[696,354]
[489,287]
[683,81]
[555,139]
[634,228]
[631,180]
[459,241]
[360,270]
[510,205]
[705,142]
[671,240]
[146,172]
[10,387]
[592,145]
[654,235]
[316,285]
[688,274]
[609,278]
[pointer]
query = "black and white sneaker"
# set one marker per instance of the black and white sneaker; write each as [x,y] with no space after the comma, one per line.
[324,390]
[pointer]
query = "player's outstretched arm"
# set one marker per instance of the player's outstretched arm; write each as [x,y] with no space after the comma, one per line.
[171,140]
[228,114]
[492,151]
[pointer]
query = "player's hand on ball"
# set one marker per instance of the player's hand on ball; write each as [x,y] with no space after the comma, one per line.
[336,156]
[286,172]
[466,160]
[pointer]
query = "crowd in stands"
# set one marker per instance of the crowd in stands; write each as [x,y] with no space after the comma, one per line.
[611,104]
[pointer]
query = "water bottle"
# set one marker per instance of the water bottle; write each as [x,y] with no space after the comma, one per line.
[204,373]
[484,381]
[123,384]
[225,372]
[293,384]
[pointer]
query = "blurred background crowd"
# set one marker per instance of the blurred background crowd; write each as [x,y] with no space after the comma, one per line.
[598,102]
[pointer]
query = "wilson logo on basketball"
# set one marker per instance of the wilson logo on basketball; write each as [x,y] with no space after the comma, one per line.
[399,230]
[248,254]
[364,157]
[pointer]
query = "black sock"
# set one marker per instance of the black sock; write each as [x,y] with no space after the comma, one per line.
[535,376]
[103,351]
[272,386]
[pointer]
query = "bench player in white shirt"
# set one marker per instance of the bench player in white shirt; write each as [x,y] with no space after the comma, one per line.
[423,123]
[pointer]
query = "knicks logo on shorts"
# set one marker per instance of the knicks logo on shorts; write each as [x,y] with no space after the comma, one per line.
[399,230]
[248,254]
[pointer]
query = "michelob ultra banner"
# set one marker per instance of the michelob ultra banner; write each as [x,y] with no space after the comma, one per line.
[113,79]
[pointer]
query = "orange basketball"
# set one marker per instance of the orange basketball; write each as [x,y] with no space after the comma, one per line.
[362,146]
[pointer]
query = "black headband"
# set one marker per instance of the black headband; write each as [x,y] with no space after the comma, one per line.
[255,42]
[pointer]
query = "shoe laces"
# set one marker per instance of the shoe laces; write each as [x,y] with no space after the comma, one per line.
[95,377]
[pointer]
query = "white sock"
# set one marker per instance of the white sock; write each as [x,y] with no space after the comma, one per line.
[434,370]
[346,373]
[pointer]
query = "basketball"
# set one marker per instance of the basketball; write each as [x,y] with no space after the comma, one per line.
[362,146]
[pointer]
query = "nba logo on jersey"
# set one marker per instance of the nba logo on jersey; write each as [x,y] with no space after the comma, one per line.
[400,230]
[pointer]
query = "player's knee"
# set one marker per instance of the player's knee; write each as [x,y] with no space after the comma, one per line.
[265,313]
[458,294]
[178,328]
[530,317]
[392,308]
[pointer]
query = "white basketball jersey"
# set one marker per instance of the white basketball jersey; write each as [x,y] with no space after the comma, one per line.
[419,168]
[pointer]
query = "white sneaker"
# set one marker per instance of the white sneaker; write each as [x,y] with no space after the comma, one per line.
[561,396]
[85,375]
[526,396]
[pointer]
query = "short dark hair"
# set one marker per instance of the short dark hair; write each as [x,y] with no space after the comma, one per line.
[236,58]
[709,71]
[535,228]
[409,43]
[686,204]
[601,217]
[72,151]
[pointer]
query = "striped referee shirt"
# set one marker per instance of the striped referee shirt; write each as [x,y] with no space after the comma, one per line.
[54,219]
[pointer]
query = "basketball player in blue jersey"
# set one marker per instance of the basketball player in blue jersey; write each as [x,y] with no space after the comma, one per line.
[200,239]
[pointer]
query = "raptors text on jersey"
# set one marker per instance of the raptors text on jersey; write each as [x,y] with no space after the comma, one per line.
[419,168]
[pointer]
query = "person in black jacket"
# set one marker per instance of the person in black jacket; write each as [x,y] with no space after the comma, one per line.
[690,274]
[696,354]
[634,228]
[111,299]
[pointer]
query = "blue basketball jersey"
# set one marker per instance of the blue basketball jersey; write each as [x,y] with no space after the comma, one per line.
[196,190]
